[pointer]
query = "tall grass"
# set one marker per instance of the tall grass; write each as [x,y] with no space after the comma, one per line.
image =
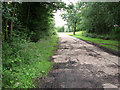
[22,66]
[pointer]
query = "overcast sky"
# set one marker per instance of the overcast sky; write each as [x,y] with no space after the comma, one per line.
[58,20]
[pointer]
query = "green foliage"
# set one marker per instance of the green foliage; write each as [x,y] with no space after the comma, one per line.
[23,25]
[29,17]
[21,68]
[68,29]
[71,16]
[100,20]
[60,29]
[38,18]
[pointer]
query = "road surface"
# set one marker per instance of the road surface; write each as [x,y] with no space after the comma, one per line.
[81,65]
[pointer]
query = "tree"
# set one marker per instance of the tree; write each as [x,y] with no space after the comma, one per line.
[71,16]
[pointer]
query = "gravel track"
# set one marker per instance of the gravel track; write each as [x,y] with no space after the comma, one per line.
[81,65]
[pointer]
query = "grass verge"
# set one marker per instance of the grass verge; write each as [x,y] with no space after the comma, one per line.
[110,44]
[31,62]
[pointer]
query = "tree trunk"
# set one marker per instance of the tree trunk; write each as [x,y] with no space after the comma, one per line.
[28,14]
[6,26]
[74,29]
[11,28]
[6,29]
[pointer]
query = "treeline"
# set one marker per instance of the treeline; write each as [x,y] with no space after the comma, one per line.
[32,19]
[100,18]
[96,17]
[24,24]
[60,28]
[64,29]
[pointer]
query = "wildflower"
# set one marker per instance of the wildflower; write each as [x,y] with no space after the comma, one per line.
[17,84]
[9,2]
[115,25]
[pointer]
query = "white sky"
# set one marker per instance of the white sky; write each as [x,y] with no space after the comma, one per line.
[58,20]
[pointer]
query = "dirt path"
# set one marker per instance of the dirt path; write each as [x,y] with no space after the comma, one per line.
[81,65]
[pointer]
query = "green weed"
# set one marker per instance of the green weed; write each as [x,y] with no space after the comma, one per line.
[32,61]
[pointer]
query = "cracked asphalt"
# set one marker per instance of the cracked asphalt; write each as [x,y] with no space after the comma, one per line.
[81,65]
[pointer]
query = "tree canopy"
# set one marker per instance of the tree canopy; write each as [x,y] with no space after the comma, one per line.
[93,17]
[31,18]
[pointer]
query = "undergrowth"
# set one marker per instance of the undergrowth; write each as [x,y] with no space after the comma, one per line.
[24,61]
